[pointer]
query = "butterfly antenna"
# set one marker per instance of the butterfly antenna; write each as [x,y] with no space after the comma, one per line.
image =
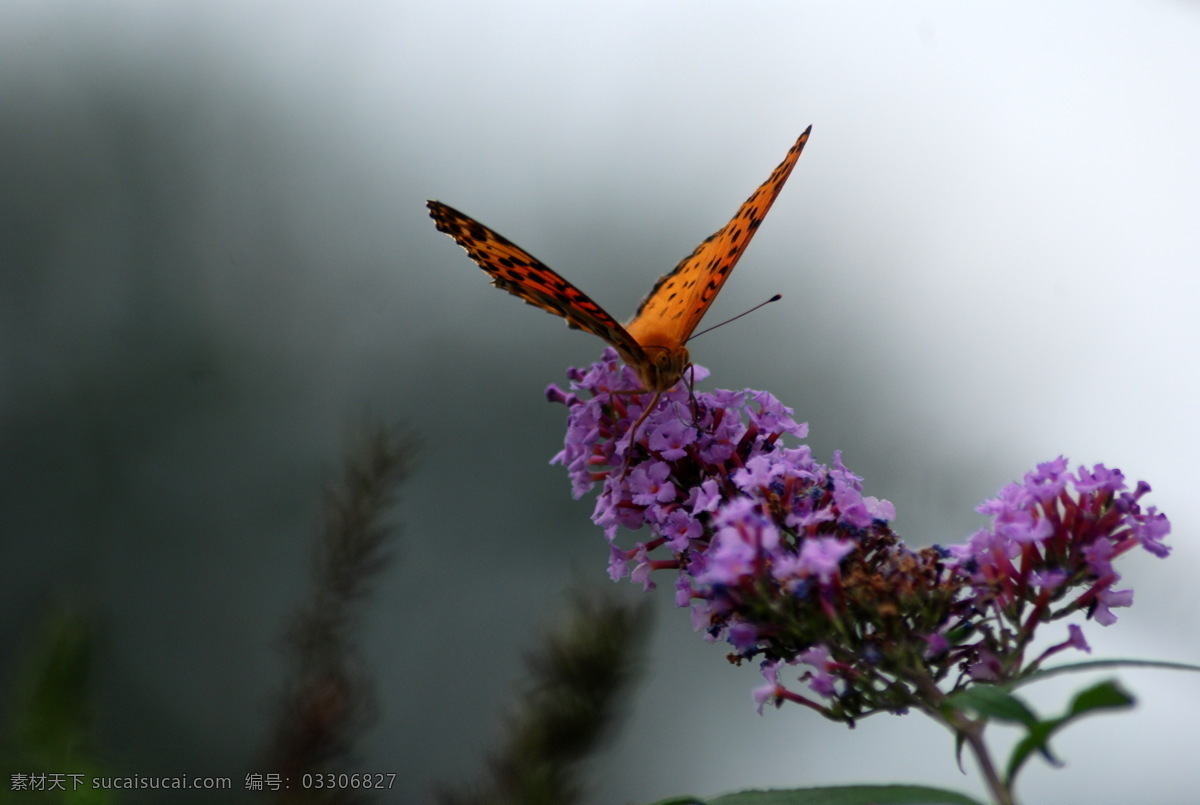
[774,298]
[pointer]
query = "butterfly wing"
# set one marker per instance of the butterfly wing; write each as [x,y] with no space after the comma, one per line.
[521,274]
[668,316]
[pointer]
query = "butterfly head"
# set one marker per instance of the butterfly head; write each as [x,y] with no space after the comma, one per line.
[661,367]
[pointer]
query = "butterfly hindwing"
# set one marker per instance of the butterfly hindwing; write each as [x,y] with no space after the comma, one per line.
[673,308]
[521,274]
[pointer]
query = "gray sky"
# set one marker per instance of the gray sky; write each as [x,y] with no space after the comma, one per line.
[987,253]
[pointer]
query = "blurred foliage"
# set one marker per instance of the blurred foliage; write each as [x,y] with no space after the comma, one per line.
[578,682]
[327,702]
[50,726]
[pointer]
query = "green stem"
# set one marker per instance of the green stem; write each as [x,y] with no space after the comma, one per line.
[971,731]
[973,735]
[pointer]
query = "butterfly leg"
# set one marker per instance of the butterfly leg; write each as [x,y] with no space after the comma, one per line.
[633,431]
[691,387]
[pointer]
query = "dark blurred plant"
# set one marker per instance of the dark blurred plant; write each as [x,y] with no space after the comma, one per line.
[49,747]
[576,682]
[327,701]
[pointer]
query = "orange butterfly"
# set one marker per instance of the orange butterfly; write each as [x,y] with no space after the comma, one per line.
[653,342]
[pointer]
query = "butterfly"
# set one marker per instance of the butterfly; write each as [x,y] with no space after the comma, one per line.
[653,343]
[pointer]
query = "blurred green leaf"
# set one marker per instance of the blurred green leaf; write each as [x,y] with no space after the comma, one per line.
[993,702]
[1106,695]
[1096,665]
[50,730]
[836,795]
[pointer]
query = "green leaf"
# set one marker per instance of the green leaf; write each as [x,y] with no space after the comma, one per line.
[836,795]
[960,741]
[50,727]
[993,702]
[1107,695]
[1102,696]
[1096,665]
[1037,740]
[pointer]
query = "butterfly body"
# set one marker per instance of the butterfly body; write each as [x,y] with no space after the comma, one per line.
[653,343]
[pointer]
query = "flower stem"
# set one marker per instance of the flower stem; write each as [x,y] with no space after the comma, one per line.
[971,731]
[974,738]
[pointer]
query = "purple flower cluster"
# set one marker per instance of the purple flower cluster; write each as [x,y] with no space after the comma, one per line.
[1053,534]
[788,561]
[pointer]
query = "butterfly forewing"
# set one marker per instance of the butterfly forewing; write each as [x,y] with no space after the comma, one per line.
[521,274]
[653,343]
[669,314]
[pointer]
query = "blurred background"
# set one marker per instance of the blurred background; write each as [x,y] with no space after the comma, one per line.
[215,257]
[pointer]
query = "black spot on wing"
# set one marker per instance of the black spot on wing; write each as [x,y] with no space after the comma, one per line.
[733,235]
[517,271]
